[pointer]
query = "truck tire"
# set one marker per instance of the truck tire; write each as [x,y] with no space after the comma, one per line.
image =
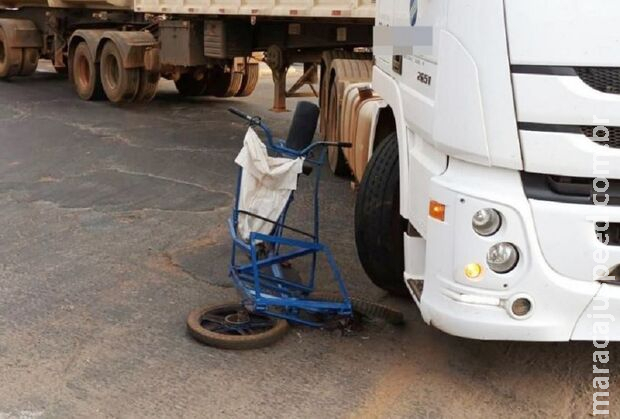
[148,86]
[188,86]
[85,74]
[249,80]
[335,157]
[120,84]
[379,227]
[30,61]
[223,84]
[10,58]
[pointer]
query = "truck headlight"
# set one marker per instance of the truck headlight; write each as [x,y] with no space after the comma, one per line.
[486,222]
[502,257]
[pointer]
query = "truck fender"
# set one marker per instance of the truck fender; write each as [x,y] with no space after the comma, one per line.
[133,47]
[343,73]
[327,61]
[92,37]
[384,125]
[21,33]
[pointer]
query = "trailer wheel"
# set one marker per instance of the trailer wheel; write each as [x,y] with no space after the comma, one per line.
[379,227]
[10,58]
[223,84]
[249,80]
[120,84]
[188,86]
[85,74]
[30,61]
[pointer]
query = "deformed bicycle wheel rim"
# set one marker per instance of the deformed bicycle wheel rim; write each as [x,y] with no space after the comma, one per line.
[231,326]
[365,307]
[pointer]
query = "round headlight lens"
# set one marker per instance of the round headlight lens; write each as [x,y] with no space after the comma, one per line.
[486,222]
[503,257]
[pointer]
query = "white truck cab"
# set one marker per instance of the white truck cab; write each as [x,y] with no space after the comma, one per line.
[507,138]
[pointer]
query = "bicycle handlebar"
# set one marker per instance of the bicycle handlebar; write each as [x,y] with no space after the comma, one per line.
[241,114]
[256,120]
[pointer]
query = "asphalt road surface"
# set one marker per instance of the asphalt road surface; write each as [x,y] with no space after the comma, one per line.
[112,228]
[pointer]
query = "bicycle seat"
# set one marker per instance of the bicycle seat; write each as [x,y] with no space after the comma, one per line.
[303,126]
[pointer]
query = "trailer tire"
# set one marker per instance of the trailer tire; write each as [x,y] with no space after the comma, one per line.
[223,84]
[379,227]
[188,86]
[30,61]
[85,74]
[120,84]
[249,81]
[11,59]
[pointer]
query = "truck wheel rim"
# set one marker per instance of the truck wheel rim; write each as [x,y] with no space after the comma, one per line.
[112,71]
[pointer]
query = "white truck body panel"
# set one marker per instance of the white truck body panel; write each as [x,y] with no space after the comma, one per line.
[563,32]
[563,100]
[571,154]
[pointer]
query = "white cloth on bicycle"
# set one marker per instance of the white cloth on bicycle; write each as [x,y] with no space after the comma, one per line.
[266,184]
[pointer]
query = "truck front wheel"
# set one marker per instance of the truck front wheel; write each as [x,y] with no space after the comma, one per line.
[379,227]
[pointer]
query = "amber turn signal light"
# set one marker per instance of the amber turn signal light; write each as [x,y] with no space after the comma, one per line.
[437,211]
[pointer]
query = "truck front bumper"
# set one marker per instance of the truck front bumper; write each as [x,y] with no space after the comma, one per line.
[562,307]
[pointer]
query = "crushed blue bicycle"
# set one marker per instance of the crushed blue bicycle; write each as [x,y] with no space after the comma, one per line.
[266,250]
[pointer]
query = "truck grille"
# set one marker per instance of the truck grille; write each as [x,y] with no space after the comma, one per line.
[568,189]
[609,236]
[614,135]
[603,79]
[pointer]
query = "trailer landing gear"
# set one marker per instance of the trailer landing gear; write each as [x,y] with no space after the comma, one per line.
[279,61]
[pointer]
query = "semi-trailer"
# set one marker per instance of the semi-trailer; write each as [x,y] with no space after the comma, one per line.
[119,49]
